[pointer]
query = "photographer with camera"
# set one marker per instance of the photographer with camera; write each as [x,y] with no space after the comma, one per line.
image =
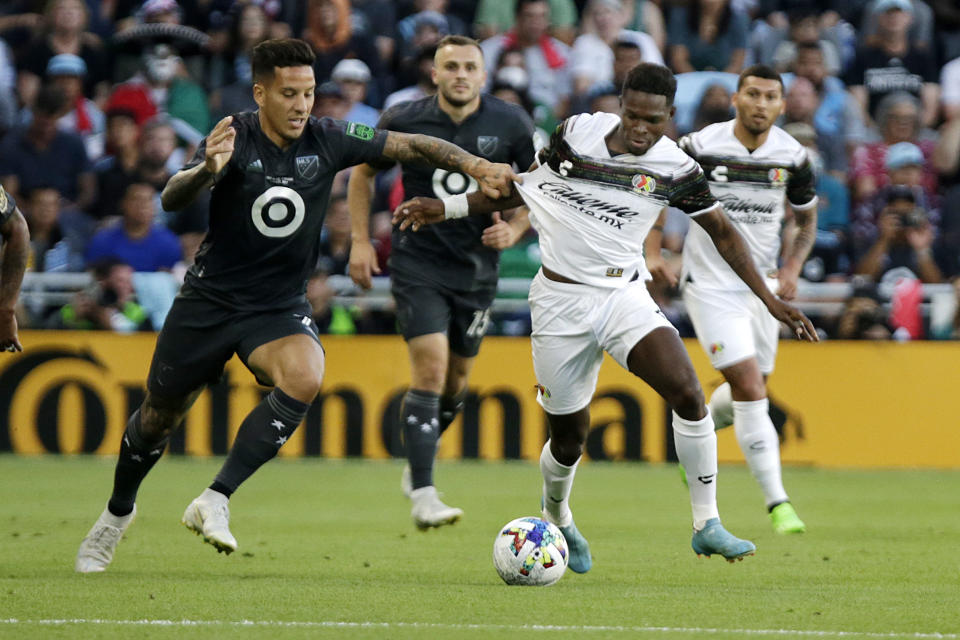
[109,304]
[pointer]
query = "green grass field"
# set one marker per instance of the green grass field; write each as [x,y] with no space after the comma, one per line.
[327,549]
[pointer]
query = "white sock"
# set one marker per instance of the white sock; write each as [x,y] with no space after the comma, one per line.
[557,483]
[721,406]
[761,447]
[213,497]
[696,444]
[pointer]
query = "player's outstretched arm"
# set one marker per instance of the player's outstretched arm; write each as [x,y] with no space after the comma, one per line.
[418,212]
[494,179]
[734,251]
[16,240]
[184,186]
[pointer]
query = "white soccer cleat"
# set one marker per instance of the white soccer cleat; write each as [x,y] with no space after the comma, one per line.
[209,517]
[406,481]
[428,511]
[96,550]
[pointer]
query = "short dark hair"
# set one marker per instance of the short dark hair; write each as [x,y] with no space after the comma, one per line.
[651,78]
[809,46]
[280,52]
[50,101]
[759,71]
[522,3]
[458,41]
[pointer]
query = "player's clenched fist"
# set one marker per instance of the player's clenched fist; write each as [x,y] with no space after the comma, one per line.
[220,145]
[495,179]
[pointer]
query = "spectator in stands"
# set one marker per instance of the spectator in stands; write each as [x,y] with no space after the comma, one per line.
[353,77]
[110,304]
[707,35]
[604,23]
[778,47]
[377,18]
[898,120]
[8,84]
[428,28]
[889,63]
[64,31]
[117,168]
[249,25]
[863,317]
[335,243]
[135,239]
[38,154]
[920,33]
[604,100]
[904,238]
[423,87]
[546,59]
[494,17]
[57,236]
[950,89]
[432,13]
[626,55]
[84,117]
[329,33]
[329,102]
[646,16]
[715,106]
[838,113]
[164,87]
[801,104]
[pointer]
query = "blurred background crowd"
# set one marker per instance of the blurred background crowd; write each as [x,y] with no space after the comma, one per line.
[101,101]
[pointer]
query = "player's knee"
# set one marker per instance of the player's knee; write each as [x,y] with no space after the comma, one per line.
[429,376]
[687,400]
[749,390]
[160,416]
[302,383]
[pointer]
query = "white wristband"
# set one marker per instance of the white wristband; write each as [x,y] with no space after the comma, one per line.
[456,206]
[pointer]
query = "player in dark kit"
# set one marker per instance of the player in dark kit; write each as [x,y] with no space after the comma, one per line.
[444,278]
[270,172]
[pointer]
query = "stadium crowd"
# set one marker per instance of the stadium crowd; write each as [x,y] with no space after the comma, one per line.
[101,101]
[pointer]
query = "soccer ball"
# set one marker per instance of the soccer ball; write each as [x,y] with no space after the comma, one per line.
[530,552]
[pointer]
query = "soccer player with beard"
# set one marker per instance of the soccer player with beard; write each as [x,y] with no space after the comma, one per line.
[599,188]
[270,172]
[753,167]
[443,280]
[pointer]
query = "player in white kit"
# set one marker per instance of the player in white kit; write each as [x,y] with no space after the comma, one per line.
[599,188]
[753,167]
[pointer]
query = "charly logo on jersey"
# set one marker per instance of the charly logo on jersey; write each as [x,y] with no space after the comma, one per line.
[452,183]
[308,167]
[777,175]
[486,145]
[278,212]
[643,183]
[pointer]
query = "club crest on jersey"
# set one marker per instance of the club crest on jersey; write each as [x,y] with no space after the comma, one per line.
[716,348]
[542,390]
[360,131]
[486,145]
[308,167]
[777,176]
[644,183]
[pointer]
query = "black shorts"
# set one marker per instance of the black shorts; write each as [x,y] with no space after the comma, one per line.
[199,337]
[425,307]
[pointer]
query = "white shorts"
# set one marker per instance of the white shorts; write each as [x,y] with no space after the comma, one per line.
[573,324]
[733,326]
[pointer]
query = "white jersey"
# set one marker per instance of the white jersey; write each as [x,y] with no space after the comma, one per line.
[593,211]
[753,188]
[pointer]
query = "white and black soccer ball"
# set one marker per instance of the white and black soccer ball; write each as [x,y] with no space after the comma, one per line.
[530,552]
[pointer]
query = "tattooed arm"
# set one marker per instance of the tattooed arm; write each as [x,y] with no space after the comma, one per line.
[494,179]
[734,251]
[16,248]
[798,242]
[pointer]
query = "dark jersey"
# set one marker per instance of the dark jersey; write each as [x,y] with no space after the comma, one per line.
[7,206]
[267,211]
[451,253]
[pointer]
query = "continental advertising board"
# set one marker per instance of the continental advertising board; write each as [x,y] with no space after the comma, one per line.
[835,404]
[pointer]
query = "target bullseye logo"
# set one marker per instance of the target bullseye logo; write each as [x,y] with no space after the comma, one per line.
[278,212]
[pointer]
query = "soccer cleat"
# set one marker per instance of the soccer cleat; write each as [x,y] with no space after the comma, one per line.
[722,418]
[406,481]
[428,511]
[211,520]
[580,560]
[96,550]
[713,538]
[785,520]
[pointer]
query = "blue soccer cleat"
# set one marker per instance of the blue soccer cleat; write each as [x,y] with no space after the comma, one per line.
[580,560]
[713,538]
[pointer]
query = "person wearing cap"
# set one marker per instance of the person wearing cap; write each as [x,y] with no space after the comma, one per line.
[889,62]
[84,117]
[424,86]
[353,77]
[330,102]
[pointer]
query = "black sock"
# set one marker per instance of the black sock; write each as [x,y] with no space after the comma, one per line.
[450,407]
[262,433]
[421,430]
[137,456]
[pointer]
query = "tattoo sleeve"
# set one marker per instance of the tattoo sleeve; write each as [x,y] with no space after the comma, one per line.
[423,149]
[802,241]
[183,187]
[15,251]
[734,251]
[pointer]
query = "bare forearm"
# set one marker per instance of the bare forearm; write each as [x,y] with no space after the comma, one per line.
[734,251]
[801,243]
[480,203]
[183,187]
[423,149]
[871,263]
[359,199]
[929,271]
[520,220]
[15,251]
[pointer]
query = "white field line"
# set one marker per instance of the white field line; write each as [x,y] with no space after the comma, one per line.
[333,624]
